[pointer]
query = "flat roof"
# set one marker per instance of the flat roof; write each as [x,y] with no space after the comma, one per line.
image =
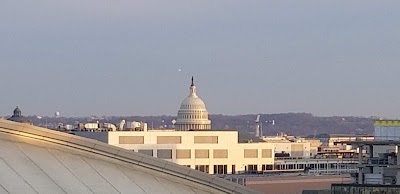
[383,142]
[364,185]
[387,123]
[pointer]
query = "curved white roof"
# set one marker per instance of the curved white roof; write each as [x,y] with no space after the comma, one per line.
[193,102]
[38,160]
[193,113]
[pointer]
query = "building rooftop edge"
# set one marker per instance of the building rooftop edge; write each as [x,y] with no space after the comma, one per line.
[69,140]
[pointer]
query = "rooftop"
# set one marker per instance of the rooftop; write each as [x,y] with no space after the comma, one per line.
[38,160]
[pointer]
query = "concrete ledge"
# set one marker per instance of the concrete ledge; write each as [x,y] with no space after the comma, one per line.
[204,177]
[172,167]
[149,161]
[218,181]
[130,155]
[81,142]
[107,148]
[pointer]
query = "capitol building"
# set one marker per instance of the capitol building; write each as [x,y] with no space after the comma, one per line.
[192,114]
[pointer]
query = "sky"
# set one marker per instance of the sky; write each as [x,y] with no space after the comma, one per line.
[136,57]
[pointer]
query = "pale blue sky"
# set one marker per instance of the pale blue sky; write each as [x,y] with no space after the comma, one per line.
[121,57]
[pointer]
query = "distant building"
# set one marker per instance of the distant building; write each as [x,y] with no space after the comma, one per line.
[17,116]
[380,169]
[387,130]
[192,114]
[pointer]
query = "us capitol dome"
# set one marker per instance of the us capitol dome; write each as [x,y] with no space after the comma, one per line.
[192,114]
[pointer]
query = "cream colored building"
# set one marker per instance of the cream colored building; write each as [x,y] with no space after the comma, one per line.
[215,152]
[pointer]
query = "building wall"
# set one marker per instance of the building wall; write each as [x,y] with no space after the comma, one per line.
[198,149]
[314,144]
[381,149]
[295,149]
[387,130]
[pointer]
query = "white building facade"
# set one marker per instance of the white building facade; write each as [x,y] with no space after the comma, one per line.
[214,152]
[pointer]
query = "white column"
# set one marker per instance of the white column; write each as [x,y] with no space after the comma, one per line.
[398,155]
[360,175]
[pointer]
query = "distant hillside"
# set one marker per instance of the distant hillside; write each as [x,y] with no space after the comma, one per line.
[302,124]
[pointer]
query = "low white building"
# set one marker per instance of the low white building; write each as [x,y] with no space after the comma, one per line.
[215,152]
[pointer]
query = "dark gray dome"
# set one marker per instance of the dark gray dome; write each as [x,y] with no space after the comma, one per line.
[17,112]
[17,116]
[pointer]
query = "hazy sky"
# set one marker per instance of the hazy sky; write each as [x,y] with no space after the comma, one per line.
[121,57]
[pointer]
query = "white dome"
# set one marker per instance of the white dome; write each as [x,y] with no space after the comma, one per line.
[192,114]
[193,103]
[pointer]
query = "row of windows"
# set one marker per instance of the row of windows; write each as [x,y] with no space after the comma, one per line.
[186,153]
[223,169]
[253,153]
[310,166]
[191,107]
[218,169]
[198,153]
[197,116]
[168,139]
[186,127]
[254,167]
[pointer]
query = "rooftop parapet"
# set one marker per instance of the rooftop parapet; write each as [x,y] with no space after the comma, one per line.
[387,123]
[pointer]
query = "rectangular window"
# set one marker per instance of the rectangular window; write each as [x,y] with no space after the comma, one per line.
[297,150]
[169,139]
[251,153]
[266,153]
[183,154]
[164,154]
[148,152]
[202,168]
[220,169]
[252,167]
[201,154]
[131,140]
[206,139]
[220,153]
[266,167]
